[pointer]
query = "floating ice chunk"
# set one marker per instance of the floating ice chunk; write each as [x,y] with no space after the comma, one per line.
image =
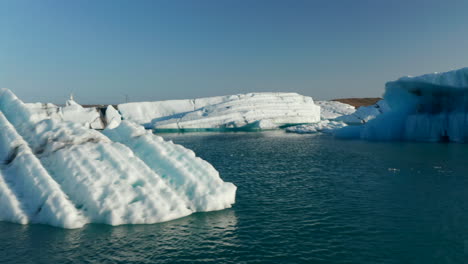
[145,112]
[362,115]
[63,174]
[72,111]
[334,109]
[324,126]
[113,117]
[431,107]
[365,113]
[243,111]
[76,113]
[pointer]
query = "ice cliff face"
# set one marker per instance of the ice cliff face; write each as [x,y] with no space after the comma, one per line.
[244,111]
[431,107]
[64,174]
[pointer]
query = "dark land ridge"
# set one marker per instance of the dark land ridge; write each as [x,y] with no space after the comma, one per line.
[358,102]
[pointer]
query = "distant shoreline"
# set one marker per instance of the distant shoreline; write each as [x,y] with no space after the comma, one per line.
[358,102]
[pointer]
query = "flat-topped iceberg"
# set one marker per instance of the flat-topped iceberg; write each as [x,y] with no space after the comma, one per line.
[64,174]
[431,107]
[243,111]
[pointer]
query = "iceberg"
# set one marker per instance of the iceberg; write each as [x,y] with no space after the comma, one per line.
[431,107]
[64,174]
[235,112]
[332,109]
[324,126]
[364,113]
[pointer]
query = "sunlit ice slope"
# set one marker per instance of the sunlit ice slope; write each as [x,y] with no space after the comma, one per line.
[63,174]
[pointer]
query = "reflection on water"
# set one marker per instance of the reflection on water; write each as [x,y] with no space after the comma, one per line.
[209,232]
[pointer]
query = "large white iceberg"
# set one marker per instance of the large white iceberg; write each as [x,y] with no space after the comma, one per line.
[431,107]
[243,111]
[64,174]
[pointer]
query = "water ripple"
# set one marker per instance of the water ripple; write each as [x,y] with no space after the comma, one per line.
[301,199]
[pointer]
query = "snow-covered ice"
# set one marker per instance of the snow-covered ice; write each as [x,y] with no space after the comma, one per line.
[324,126]
[113,118]
[341,112]
[89,117]
[430,107]
[365,113]
[145,112]
[27,191]
[333,109]
[329,111]
[72,111]
[67,175]
[243,111]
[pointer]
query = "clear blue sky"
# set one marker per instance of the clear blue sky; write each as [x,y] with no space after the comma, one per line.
[158,49]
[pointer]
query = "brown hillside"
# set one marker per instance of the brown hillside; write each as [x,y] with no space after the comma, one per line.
[357,102]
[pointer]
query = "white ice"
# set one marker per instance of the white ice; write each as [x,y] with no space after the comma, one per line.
[324,126]
[64,174]
[72,111]
[113,118]
[329,111]
[89,117]
[365,113]
[431,107]
[243,111]
[332,109]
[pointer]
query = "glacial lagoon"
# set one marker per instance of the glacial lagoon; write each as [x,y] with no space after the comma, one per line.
[300,199]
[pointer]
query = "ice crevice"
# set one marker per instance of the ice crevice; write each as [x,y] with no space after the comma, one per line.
[67,175]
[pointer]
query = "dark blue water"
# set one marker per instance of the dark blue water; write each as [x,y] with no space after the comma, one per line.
[301,199]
